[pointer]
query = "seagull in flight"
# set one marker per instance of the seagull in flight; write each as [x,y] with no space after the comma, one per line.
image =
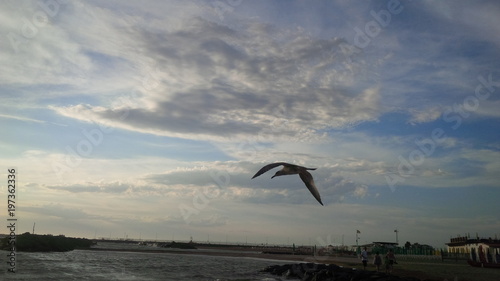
[291,169]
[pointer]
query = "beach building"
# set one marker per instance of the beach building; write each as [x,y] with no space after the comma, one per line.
[479,250]
[375,246]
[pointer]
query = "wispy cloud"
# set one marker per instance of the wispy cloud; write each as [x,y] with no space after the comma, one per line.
[217,83]
[20,118]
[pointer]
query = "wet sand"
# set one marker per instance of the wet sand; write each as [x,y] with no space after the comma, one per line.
[239,252]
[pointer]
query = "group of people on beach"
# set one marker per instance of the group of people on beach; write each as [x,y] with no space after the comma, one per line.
[389,260]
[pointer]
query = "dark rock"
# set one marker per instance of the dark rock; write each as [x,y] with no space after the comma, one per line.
[411,279]
[280,270]
[277,269]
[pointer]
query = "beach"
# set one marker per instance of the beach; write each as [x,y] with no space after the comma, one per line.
[131,261]
[422,269]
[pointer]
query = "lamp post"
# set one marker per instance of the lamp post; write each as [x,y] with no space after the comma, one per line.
[357,238]
[397,242]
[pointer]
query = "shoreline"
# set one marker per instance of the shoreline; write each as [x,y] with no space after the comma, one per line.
[403,270]
[216,252]
[241,253]
[348,262]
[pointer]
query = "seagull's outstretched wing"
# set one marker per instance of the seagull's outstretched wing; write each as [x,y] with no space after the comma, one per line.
[268,167]
[308,180]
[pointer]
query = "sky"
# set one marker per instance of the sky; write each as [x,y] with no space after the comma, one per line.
[148,120]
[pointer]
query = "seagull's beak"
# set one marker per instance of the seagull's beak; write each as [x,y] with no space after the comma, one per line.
[273,176]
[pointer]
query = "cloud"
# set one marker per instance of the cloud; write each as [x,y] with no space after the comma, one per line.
[460,166]
[228,180]
[232,180]
[338,188]
[424,116]
[209,221]
[111,187]
[489,108]
[61,211]
[212,82]
[187,82]
[38,51]
[25,119]
[473,19]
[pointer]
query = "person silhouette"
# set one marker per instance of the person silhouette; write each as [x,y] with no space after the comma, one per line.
[364,258]
[377,260]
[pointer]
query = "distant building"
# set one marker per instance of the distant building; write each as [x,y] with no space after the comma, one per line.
[388,245]
[460,245]
[375,246]
[479,249]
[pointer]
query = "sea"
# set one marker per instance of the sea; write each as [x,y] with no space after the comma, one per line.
[133,265]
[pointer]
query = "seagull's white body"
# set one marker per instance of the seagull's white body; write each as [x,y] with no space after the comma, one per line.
[291,169]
